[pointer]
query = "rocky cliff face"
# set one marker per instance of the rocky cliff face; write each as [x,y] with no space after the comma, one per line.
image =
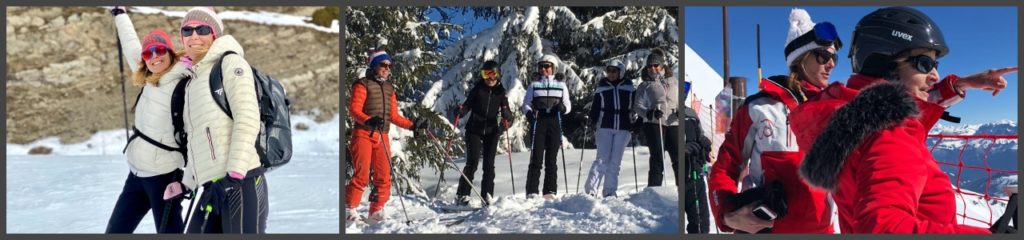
[62,67]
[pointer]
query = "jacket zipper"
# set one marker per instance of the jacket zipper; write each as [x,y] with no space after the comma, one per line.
[785,110]
[191,124]
[490,91]
[615,100]
[209,141]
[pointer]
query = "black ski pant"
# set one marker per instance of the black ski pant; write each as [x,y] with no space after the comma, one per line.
[232,206]
[547,138]
[669,138]
[475,144]
[139,196]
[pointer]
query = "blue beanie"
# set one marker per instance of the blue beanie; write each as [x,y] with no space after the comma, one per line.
[377,57]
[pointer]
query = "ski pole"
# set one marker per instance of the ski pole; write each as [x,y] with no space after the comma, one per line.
[636,181]
[533,138]
[661,144]
[759,77]
[448,148]
[582,149]
[401,198]
[120,65]
[510,172]
[565,179]
[191,203]
[453,165]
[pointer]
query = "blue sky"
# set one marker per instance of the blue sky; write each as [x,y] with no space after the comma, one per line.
[470,24]
[979,38]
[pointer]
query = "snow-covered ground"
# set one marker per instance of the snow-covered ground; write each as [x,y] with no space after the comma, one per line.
[73,190]
[649,210]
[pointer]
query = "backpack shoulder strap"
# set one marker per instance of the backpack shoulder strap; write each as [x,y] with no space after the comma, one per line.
[217,85]
[138,97]
[178,117]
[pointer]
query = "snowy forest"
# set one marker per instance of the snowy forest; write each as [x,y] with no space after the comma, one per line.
[436,57]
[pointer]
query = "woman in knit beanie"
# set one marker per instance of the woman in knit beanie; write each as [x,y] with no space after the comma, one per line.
[153,160]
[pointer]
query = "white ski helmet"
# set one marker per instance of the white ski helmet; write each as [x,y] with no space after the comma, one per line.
[617,64]
[550,59]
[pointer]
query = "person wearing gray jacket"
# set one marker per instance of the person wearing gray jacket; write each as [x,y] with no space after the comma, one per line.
[655,102]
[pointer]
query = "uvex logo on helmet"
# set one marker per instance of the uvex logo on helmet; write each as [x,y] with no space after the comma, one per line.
[903,35]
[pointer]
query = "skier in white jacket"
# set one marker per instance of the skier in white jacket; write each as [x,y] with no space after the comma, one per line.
[153,159]
[222,154]
[610,111]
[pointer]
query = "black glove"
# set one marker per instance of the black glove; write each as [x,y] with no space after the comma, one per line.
[654,114]
[560,108]
[637,127]
[530,116]
[226,193]
[418,125]
[375,123]
[506,113]
[117,10]
[461,111]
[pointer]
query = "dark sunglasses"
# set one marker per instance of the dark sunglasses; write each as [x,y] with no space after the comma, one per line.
[655,65]
[202,30]
[823,56]
[923,63]
[154,51]
[542,66]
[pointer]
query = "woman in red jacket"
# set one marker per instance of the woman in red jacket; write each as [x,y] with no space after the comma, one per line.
[868,136]
[761,143]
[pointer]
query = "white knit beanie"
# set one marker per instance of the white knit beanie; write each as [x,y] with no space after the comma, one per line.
[799,24]
[204,15]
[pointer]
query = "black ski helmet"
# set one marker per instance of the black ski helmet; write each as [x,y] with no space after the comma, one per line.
[490,65]
[886,32]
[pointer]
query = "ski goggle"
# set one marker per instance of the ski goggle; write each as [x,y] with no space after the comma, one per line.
[489,74]
[824,34]
[154,51]
[686,87]
[545,65]
[923,63]
[823,56]
[202,30]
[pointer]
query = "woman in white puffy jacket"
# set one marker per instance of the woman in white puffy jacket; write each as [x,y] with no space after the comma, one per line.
[152,161]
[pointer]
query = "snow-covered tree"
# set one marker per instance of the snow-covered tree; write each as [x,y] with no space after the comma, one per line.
[585,39]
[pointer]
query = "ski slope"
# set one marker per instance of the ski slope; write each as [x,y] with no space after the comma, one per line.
[73,190]
[649,210]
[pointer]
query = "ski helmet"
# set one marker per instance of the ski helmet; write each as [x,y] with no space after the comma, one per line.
[490,65]
[549,59]
[886,32]
[617,64]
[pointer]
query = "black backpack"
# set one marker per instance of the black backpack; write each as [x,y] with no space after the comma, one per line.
[274,143]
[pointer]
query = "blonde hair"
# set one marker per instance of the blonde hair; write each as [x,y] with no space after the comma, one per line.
[796,74]
[143,75]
